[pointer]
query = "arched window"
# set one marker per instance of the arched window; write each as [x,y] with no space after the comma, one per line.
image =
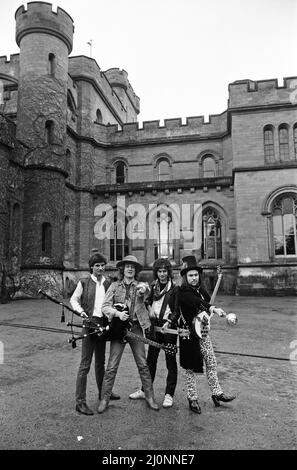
[120,172]
[268,143]
[67,234]
[164,243]
[163,170]
[284,219]
[119,242]
[209,167]
[51,64]
[212,234]
[49,131]
[98,116]
[283,133]
[46,239]
[295,140]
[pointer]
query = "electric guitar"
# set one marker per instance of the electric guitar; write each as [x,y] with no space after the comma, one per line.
[201,322]
[120,330]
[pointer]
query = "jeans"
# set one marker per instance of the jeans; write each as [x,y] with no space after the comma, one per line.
[116,350]
[152,359]
[90,344]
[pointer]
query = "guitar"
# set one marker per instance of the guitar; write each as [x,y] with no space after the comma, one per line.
[120,330]
[182,332]
[201,322]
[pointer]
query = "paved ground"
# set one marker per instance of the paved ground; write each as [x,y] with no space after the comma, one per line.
[37,381]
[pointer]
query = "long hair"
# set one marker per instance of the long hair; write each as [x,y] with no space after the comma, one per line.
[121,272]
[185,281]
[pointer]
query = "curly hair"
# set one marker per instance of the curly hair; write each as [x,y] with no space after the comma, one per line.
[162,263]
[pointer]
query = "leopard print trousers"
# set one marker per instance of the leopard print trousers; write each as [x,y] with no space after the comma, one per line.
[211,372]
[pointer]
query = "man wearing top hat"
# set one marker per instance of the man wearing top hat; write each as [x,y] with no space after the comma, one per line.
[190,299]
[131,294]
[87,300]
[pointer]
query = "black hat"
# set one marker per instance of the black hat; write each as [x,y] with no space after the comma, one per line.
[189,263]
[96,258]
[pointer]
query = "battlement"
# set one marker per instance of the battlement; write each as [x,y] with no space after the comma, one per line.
[119,78]
[40,18]
[10,67]
[87,69]
[243,93]
[173,128]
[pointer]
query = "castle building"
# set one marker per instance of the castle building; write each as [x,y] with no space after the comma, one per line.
[78,173]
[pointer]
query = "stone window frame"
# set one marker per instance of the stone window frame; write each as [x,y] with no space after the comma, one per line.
[46,239]
[210,205]
[218,159]
[162,157]
[49,128]
[269,148]
[99,117]
[114,165]
[284,144]
[152,243]
[52,64]
[125,243]
[267,211]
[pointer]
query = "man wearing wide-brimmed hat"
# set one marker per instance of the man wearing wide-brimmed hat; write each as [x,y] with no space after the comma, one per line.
[87,300]
[191,298]
[158,305]
[130,294]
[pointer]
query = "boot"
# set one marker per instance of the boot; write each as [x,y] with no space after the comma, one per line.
[194,406]
[222,397]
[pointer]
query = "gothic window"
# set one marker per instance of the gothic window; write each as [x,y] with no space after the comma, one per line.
[283,132]
[164,172]
[209,167]
[284,220]
[120,172]
[98,116]
[164,244]
[51,64]
[46,239]
[268,143]
[119,242]
[49,131]
[295,140]
[212,235]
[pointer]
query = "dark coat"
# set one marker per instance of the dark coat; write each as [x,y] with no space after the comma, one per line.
[186,303]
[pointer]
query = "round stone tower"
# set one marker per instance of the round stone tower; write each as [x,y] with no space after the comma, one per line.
[45,41]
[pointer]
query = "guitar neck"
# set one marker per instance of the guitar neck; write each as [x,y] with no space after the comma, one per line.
[145,340]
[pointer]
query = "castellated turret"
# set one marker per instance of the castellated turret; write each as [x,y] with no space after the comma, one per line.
[120,83]
[45,40]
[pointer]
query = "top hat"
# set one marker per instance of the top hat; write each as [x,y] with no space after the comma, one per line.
[130,259]
[189,263]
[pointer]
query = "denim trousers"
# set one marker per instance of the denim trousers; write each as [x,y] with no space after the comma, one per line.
[116,351]
[152,359]
[90,344]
